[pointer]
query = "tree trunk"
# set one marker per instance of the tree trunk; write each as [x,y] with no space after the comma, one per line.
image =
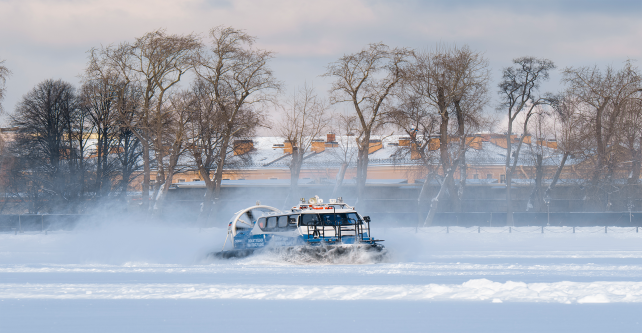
[508,177]
[463,168]
[463,176]
[340,176]
[99,164]
[162,193]
[535,199]
[556,177]
[218,178]
[362,168]
[422,195]
[592,197]
[444,154]
[168,179]
[636,165]
[146,175]
[434,203]
[206,206]
[295,171]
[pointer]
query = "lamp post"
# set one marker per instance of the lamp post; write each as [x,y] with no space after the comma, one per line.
[630,207]
[547,200]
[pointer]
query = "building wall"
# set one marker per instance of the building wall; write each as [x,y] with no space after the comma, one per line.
[411,173]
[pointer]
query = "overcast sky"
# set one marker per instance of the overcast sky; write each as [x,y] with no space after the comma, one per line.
[43,39]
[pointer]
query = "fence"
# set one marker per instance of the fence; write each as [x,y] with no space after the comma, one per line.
[529,230]
[34,222]
[521,219]
[481,221]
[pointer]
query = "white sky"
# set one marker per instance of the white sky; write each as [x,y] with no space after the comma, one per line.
[44,39]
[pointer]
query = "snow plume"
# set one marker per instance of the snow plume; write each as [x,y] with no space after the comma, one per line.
[472,290]
[113,243]
[301,255]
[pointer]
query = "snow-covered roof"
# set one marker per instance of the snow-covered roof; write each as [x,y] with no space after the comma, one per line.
[266,155]
[246,182]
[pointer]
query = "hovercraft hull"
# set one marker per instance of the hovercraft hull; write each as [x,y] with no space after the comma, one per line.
[325,253]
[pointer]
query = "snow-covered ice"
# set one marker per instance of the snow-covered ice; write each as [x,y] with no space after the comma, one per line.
[142,278]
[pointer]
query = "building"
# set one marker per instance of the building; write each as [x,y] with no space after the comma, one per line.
[390,157]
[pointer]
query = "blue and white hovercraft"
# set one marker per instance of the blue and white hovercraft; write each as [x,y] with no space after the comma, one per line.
[318,230]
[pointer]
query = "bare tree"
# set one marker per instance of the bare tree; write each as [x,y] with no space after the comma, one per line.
[519,93]
[631,136]
[173,141]
[344,126]
[366,80]
[129,149]
[603,97]
[99,101]
[304,119]
[421,124]
[447,82]
[538,150]
[4,74]
[46,119]
[570,136]
[159,61]
[240,82]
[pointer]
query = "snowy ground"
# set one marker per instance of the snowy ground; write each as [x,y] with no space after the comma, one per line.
[154,279]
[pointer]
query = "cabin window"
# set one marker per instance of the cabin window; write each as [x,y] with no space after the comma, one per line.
[283,221]
[277,223]
[340,218]
[333,219]
[353,218]
[310,219]
[293,220]
[271,222]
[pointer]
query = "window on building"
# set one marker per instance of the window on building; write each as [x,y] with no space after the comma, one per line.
[195,180]
[502,178]
[272,178]
[181,180]
[475,176]
[226,179]
[489,176]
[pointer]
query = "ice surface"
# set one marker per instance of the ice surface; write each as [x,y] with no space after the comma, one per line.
[156,278]
[472,290]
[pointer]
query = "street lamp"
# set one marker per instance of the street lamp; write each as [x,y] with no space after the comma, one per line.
[630,206]
[547,200]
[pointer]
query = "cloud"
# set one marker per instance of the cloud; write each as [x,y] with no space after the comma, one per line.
[46,38]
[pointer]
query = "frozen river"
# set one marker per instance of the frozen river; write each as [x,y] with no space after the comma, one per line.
[137,279]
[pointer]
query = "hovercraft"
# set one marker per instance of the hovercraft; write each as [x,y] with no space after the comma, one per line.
[314,229]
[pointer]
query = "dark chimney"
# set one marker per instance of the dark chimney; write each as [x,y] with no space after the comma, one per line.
[331,137]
